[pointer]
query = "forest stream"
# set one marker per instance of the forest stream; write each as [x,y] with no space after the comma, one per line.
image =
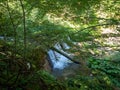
[61,65]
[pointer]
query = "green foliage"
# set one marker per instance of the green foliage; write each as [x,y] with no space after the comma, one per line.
[88,83]
[17,77]
[109,70]
[54,21]
[50,82]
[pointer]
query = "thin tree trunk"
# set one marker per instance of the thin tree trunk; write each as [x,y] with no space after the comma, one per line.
[24,28]
[15,40]
[15,36]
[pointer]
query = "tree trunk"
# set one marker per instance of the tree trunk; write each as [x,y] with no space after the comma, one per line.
[24,28]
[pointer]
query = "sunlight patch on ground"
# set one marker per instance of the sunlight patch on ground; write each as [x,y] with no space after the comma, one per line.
[109,30]
[112,41]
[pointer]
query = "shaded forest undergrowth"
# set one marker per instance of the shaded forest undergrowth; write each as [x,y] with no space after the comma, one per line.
[16,74]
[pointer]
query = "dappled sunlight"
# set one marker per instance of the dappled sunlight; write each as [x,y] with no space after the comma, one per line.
[15,4]
[113,41]
[109,30]
[33,14]
[101,14]
[60,21]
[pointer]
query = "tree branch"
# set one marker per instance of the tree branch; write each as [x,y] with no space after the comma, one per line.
[107,24]
[64,54]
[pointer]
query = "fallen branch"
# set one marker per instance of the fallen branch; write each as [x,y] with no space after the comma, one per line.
[64,54]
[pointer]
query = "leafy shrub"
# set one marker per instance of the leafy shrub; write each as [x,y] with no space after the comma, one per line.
[107,69]
[88,83]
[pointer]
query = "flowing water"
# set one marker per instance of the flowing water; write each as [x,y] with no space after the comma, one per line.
[60,64]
